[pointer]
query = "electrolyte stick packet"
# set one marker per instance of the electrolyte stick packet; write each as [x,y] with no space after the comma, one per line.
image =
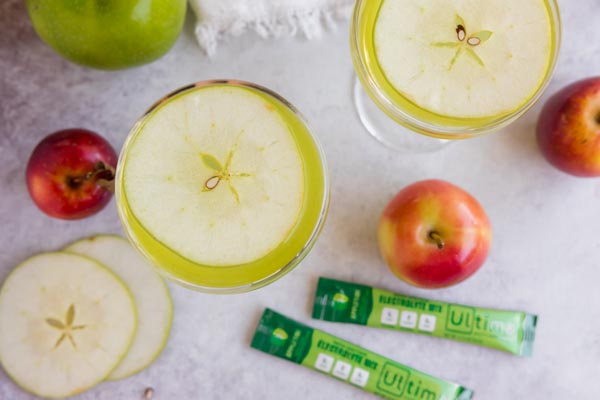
[285,338]
[510,331]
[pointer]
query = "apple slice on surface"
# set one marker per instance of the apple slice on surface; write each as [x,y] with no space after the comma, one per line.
[215,175]
[150,293]
[66,322]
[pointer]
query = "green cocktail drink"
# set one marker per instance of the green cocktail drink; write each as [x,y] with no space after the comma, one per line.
[454,69]
[222,185]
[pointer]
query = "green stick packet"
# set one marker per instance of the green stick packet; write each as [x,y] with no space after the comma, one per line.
[285,338]
[509,331]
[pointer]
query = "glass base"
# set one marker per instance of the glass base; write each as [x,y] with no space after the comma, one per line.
[388,131]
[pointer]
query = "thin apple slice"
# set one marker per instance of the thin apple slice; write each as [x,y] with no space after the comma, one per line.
[150,293]
[216,175]
[466,59]
[66,322]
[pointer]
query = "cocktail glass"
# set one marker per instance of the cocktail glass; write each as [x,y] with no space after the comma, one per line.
[393,114]
[210,183]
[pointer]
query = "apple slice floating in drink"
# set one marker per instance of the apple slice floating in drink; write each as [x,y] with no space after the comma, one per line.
[216,177]
[465,59]
[222,186]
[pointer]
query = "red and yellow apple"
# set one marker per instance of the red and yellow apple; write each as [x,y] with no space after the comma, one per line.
[69,173]
[568,130]
[433,234]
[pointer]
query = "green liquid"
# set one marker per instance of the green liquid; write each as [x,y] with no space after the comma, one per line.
[234,278]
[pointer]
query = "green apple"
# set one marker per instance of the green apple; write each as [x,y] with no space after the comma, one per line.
[150,293]
[66,322]
[108,34]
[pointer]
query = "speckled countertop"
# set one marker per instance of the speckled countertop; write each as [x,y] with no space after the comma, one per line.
[545,255]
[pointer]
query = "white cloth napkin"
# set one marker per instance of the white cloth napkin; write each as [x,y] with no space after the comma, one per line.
[218,19]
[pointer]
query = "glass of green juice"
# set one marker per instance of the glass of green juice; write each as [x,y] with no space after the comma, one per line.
[223,186]
[449,69]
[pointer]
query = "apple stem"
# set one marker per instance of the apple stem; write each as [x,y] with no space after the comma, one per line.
[104,175]
[437,238]
[107,184]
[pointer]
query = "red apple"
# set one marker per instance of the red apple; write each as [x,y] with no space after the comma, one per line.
[568,130]
[70,172]
[433,234]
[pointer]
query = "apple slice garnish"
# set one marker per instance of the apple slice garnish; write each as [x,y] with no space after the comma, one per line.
[215,175]
[467,59]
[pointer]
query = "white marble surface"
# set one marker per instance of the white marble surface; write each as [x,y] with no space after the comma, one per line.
[545,255]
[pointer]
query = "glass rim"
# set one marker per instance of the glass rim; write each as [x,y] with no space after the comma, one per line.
[377,94]
[289,265]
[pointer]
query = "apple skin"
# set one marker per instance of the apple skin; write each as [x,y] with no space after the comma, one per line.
[568,130]
[69,172]
[433,234]
[108,34]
